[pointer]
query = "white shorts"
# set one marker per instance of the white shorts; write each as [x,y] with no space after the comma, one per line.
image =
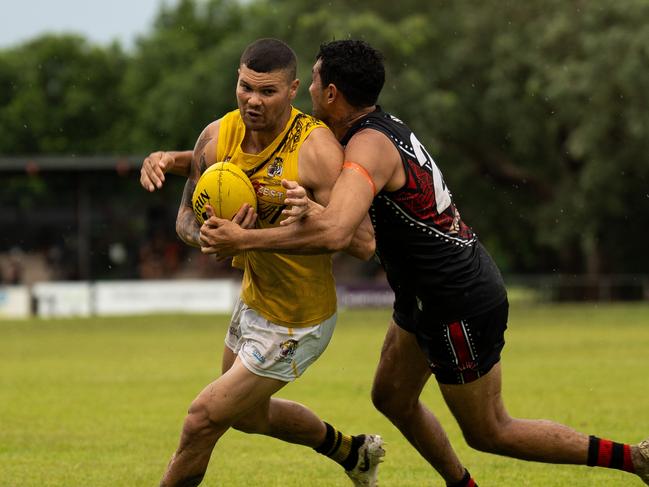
[273,350]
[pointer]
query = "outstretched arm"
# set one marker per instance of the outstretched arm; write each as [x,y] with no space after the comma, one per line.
[332,229]
[157,164]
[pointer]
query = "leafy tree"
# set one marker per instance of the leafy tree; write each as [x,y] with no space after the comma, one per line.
[59,96]
[184,74]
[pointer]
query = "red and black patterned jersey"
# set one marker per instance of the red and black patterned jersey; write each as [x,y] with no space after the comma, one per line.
[424,246]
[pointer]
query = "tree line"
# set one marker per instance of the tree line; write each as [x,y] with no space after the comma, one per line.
[533,110]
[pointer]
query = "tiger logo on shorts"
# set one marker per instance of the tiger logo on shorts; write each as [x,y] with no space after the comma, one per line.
[287,349]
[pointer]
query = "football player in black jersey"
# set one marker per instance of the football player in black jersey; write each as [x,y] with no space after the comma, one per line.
[450,310]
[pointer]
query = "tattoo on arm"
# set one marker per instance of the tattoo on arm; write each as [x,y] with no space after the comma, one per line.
[204,139]
[187,227]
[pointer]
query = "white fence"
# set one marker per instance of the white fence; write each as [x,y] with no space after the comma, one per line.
[14,301]
[63,299]
[110,298]
[68,299]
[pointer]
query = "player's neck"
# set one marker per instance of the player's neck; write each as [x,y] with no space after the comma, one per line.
[348,119]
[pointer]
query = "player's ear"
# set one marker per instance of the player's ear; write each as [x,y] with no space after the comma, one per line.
[293,89]
[332,93]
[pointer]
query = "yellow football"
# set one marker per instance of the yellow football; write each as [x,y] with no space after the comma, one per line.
[225,188]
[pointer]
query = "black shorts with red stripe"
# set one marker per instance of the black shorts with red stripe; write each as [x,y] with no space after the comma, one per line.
[458,351]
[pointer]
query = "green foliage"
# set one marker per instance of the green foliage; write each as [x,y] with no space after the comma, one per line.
[533,110]
[183,76]
[60,96]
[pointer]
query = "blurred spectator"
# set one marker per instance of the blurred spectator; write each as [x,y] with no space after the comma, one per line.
[13,272]
[159,257]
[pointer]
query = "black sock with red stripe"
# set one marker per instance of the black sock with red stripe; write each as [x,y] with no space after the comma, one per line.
[608,454]
[467,481]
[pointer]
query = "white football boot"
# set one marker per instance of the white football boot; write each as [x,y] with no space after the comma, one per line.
[370,454]
[641,460]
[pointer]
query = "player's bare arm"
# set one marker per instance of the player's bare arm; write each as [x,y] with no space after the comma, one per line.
[157,164]
[363,244]
[371,163]
[204,155]
[379,166]
[320,170]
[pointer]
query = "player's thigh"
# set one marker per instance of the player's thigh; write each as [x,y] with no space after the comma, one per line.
[402,371]
[477,406]
[228,359]
[233,395]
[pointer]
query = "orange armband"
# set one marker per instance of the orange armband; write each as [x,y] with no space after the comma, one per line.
[362,171]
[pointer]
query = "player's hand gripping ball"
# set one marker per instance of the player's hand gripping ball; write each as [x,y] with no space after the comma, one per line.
[225,188]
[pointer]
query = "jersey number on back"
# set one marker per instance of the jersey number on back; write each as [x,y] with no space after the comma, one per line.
[442,195]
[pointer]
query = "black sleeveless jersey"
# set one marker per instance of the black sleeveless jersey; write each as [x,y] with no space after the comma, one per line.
[427,251]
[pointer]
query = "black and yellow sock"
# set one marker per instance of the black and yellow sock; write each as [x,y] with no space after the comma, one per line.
[341,448]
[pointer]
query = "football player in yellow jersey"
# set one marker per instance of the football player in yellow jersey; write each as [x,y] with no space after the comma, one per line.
[270,343]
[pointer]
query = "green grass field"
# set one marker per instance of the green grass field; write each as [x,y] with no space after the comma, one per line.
[100,402]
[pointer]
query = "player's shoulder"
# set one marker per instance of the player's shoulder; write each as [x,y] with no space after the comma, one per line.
[377,130]
[381,121]
[369,136]
[211,130]
[207,140]
[320,159]
[311,122]
[320,142]
[372,149]
[306,119]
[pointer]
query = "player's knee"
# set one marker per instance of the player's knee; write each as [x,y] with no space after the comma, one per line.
[390,402]
[479,441]
[381,399]
[485,439]
[199,421]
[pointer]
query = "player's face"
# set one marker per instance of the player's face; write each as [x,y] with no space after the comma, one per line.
[318,96]
[265,99]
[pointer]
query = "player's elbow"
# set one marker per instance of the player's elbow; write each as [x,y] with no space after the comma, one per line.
[185,234]
[337,238]
[366,250]
[361,249]
[179,230]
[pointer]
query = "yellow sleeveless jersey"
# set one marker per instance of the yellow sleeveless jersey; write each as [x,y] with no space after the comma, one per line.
[290,290]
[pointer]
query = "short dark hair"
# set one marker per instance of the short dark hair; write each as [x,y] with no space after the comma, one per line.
[355,68]
[266,55]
